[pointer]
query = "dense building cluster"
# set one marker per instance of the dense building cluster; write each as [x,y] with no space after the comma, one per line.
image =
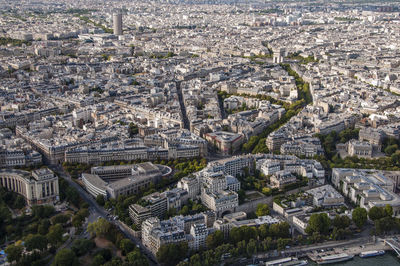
[127,98]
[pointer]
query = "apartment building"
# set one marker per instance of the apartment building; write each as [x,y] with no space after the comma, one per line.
[222,201]
[198,233]
[190,229]
[226,142]
[153,205]
[307,147]
[275,140]
[281,179]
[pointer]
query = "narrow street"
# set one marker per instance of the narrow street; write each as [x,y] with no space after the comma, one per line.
[186,124]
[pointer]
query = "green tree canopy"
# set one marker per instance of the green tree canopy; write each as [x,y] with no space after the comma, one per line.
[376,213]
[60,219]
[98,260]
[43,227]
[101,227]
[126,246]
[54,236]
[359,216]
[389,150]
[14,252]
[341,222]
[42,211]
[385,225]
[100,200]
[262,209]
[215,239]
[82,246]
[38,241]
[171,254]
[319,222]
[65,257]
[281,230]
[251,248]
[135,258]
[389,210]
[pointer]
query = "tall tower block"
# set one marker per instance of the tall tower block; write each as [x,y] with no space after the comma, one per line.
[117,24]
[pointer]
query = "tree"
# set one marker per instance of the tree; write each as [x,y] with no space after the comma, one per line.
[282,243]
[376,213]
[209,258]
[135,258]
[73,196]
[33,258]
[389,210]
[215,239]
[103,228]
[242,196]
[5,214]
[79,217]
[249,233]
[281,230]
[195,260]
[100,228]
[13,252]
[65,257]
[77,221]
[116,261]
[100,200]
[33,242]
[236,235]
[60,219]
[42,211]
[54,236]
[319,222]
[171,213]
[395,157]
[340,233]
[133,129]
[262,209]
[251,247]
[341,222]
[359,217]
[267,243]
[19,202]
[389,150]
[263,231]
[384,225]
[82,246]
[184,210]
[126,246]
[171,254]
[98,260]
[266,190]
[43,227]
[105,253]
[316,237]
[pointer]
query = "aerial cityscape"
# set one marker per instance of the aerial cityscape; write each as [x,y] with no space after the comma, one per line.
[191,132]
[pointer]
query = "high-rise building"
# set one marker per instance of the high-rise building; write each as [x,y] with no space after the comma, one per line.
[117,23]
